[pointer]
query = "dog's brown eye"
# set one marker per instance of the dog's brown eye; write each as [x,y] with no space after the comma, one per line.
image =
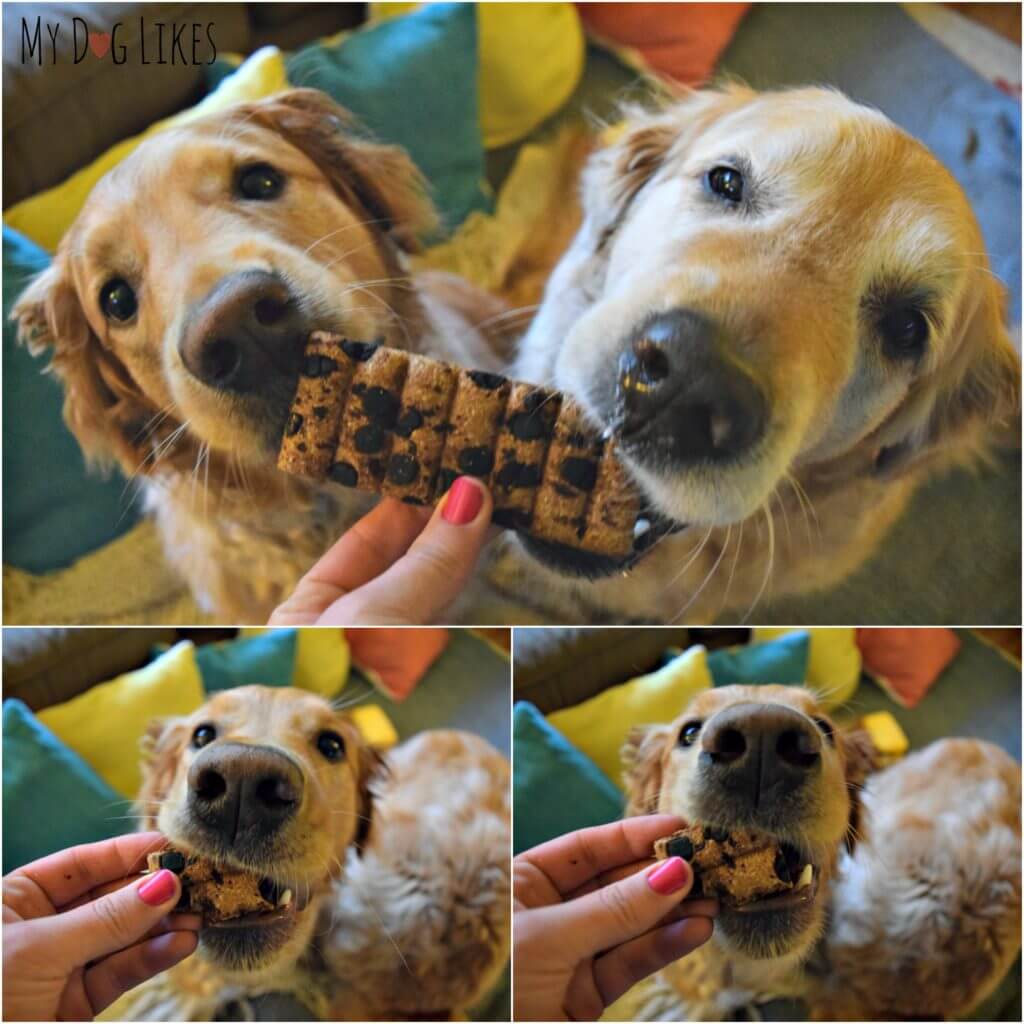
[726,182]
[203,734]
[689,733]
[331,745]
[904,332]
[826,727]
[260,181]
[117,300]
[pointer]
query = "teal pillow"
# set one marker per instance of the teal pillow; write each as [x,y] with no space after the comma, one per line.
[555,787]
[54,512]
[52,799]
[412,81]
[266,660]
[782,661]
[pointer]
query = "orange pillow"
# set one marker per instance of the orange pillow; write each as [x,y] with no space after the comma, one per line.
[906,662]
[680,41]
[395,660]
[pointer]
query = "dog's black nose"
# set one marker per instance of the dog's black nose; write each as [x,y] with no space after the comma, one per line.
[246,334]
[683,399]
[243,792]
[760,751]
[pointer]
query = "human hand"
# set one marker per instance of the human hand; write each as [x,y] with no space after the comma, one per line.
[399,565]
[79,930]
[593,915]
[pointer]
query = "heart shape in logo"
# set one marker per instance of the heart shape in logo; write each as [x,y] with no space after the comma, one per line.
[99,43]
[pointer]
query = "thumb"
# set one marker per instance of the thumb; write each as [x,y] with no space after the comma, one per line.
[117,920]
[432,573]
[616,913]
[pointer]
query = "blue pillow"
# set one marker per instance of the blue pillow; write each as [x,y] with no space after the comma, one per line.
[412,81]
[54,511]
[52,799]
[782,661]
[266,660]
[555,787]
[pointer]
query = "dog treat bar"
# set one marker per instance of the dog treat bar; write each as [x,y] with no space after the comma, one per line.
[402,424]
[739,866]
[218,893]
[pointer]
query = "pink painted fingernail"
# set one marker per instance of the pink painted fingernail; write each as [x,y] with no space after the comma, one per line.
[669,877]
[157,889]
[464,501]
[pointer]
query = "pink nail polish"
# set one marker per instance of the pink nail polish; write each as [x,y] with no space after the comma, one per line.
[670,876]
[158,888]
[464,501]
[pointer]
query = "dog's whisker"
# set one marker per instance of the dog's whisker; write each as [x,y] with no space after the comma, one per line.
[768,568]
[711,572]
[344,227]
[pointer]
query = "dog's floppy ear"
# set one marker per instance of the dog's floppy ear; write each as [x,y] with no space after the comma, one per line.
[860,759]
[370,767]
[103,407]
[161,750]
[381,180]
[641,759]
[968,403]
[640,145]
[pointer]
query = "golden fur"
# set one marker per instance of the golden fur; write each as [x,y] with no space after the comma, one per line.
[847,207]
[168,222]
[918,908]
[399,865]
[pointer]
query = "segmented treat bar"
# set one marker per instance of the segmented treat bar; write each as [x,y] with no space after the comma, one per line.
[403,424]
[739,867]
[218,893]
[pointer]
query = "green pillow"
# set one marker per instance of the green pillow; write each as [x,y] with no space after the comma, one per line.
[54,512]
[555,787]
[52,799]
[412,81]
[782,661]
[265,660]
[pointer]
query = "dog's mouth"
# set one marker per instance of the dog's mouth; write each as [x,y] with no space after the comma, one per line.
[286,907]
[802,874]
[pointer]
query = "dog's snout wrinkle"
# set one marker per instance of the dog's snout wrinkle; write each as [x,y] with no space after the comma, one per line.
[681,396]
[248,332]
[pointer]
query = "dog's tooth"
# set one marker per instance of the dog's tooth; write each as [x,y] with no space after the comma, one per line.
[607,434]
[641,527]
[285,898]
[806,876]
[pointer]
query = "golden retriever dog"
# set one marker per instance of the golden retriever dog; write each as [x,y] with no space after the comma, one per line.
[914,910]
[780,305]
[399,864]
[178,304]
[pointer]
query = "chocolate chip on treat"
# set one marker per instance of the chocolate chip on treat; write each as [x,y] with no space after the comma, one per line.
[173,860]
[360,351]
[369,439]
[476,461]
[316,365]
[581,473]
[294,425]
[719,835]
[381,406]
[518,474]
[680,846]
[344,473]
[403,469]
[409,421]
[320,411]
[487,381]
[528,426]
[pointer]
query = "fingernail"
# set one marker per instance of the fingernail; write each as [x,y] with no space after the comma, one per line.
[464,501]
[669,877]
[157,889]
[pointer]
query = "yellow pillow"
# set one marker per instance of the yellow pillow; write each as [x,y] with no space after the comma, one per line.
[45,217]
[322,658]
[833,662]
[530,61]
[105,724]
[599,726]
